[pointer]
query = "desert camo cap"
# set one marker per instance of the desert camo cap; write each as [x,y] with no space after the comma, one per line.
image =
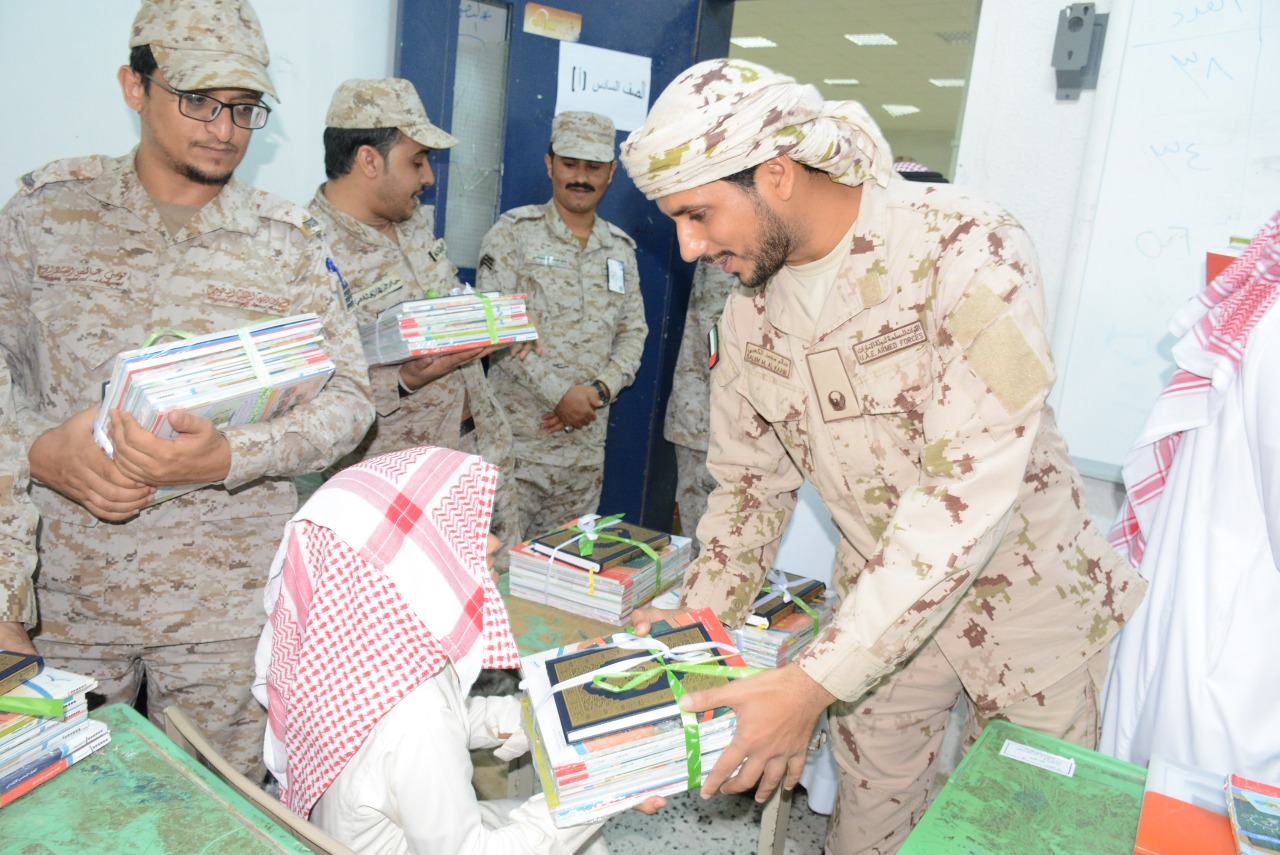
[388,103]
[205,44]
[588,136]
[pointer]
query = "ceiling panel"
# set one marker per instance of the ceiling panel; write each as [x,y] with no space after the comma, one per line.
[811,47]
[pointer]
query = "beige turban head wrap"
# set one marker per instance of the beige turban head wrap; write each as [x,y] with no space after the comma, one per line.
[726,115]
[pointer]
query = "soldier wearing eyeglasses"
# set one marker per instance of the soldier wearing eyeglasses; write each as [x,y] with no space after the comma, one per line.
[99,254]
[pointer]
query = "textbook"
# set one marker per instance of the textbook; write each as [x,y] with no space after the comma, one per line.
[609,595]
[17,668]
[586,711]
[1254,810]
[232,378]
[15,782]
[436,325]
[604,552]
[49,684]
[597,777]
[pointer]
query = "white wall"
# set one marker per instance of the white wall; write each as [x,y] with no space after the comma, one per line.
[60,59]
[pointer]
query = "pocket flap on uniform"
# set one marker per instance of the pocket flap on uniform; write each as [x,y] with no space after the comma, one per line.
[895,384]
[773,399]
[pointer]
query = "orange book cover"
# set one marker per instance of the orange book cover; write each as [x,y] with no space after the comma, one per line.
[1169,826]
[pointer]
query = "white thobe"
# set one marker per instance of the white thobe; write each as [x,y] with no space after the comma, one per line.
[1193,677]
[408,789]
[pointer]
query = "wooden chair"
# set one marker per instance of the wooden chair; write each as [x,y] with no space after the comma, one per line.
[188,736]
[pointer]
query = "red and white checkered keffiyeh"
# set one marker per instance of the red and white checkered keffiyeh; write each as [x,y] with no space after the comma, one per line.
[380,578]
[1213,331]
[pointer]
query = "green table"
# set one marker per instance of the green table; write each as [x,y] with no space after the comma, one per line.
[996,804]
[140,794]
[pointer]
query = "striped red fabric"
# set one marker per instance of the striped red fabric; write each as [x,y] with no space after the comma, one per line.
[381,579]
[1213,333]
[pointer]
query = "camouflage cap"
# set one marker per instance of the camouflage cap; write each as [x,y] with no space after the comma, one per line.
[387,103]
[587,136]
[722,116]
[205,44]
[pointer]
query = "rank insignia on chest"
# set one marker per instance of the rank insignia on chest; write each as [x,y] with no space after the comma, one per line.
[439,249]
[486,262]
[713,346]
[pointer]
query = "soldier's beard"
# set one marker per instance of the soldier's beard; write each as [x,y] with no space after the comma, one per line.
[199,176]
[773,247]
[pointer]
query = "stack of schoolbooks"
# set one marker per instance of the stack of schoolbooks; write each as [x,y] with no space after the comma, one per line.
[44,724]
[782,621]
[599,752]
[243,376]
[441,324]
[607,585]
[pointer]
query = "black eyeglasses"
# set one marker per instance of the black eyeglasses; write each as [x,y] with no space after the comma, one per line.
[203,108]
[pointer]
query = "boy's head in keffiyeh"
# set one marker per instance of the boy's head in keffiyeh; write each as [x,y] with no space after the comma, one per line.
[381,580]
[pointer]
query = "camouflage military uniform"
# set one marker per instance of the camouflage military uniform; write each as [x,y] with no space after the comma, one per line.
[18,518]
[592,326]
[382,273]
[688,419]
[916,408]
[87,269]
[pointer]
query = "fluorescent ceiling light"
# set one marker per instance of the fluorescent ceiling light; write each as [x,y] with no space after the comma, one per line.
[947,82]
[840,81]
[869,39]
[753,42]
[897,110]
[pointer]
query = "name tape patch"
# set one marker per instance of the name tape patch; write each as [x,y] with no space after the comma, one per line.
[768,360]
[891,342]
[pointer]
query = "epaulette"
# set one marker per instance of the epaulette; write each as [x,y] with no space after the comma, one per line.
[618,232]
[284,211]
[67,169]
[525,212]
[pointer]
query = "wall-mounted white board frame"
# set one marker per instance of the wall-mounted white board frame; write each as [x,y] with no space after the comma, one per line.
[1184,153]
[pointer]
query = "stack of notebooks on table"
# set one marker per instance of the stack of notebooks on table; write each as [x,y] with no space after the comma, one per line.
[598,752]
[440,324]
[782,622]
[607,585]
[239,377]
[44,723]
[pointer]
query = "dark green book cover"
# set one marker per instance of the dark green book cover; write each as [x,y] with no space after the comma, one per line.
[605,553]
[587,712]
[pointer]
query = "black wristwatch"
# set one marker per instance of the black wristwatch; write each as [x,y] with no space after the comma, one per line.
[601,391]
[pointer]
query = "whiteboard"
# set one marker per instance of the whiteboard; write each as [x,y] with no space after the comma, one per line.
[1187,156]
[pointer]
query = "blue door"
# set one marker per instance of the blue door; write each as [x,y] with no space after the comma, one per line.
[509,77]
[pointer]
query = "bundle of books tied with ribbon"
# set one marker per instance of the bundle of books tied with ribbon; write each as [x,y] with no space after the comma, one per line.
[44,723]
[238,377]
[603,717]
[599,568]
[436,325]
[789,613]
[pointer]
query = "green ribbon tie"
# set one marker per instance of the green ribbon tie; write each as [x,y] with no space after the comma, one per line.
[45,707]
[587,541]
[490,321]
[692,733]
[800,604]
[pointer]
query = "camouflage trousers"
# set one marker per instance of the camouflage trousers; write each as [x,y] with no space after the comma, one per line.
[120,602]
[551,495]
[887,744]
[210,682]
[693,485]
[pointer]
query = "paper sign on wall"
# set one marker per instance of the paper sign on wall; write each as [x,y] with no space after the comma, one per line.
[608,82]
